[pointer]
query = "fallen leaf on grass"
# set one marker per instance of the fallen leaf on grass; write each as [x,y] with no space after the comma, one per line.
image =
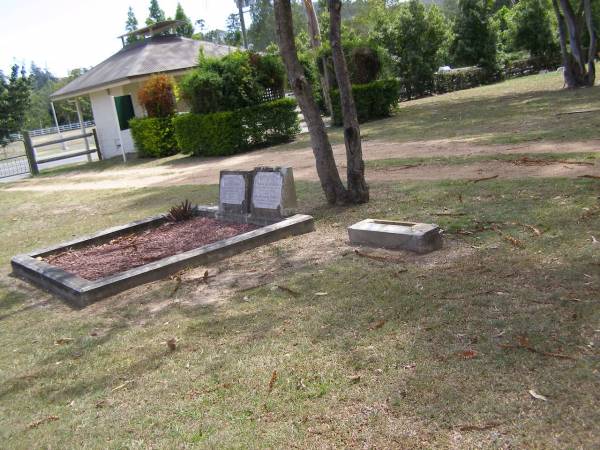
[62,341]
[595,241]
[536,395]
[469,354]
[37,423]
[321,294]
[172,344]
[514,241]
[272,380]
[354,379]
[377,325]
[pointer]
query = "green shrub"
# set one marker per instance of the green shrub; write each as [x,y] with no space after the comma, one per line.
[202,91]
[235,81]
[458,79]
[229,132]
[373,101]
[154,136]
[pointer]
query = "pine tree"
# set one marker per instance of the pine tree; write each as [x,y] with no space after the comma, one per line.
[14,101]
[187,29]
[155,13]
[131,25]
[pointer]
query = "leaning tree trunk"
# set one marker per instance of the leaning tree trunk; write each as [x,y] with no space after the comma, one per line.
[357,185]
[570,81]
[315,42]
[332,185]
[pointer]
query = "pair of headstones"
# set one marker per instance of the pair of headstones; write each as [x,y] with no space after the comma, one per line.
[263,195]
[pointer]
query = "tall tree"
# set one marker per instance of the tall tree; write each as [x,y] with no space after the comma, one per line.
[14,100]
[332,185]
[155,14]
[131,25]
[233,35]
[358,190]
[186,29]
[579,68]
[474,41]
[314,34]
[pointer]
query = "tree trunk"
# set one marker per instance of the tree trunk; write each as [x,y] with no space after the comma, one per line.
[315,42]
[357,185]
[591,75]
[566,57]
[331,183]
[578,70]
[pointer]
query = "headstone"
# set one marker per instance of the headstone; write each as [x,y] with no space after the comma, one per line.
[416,237]
[273,194]
[234,194]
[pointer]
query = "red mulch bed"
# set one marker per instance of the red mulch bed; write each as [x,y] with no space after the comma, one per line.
[136,249]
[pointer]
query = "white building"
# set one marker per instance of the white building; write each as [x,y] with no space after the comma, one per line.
[112,85]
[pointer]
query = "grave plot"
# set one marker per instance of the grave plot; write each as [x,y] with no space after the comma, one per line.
[250,214]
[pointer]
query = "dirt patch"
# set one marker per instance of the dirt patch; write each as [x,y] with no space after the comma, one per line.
[206,170]
[136,249]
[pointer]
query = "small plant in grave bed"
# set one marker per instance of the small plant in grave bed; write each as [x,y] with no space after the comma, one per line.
[181,212]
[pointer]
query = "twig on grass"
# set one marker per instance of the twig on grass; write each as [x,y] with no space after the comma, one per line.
[485,426]
[288,290]
[524,344]
[37,423]
[593,177]
[449,214]
[580,111]
[477,180]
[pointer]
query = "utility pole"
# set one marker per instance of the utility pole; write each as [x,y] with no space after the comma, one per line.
[240,5]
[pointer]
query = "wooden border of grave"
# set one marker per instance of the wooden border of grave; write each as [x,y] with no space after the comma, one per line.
[79,292]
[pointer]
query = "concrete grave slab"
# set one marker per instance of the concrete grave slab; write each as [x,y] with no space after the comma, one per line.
[80,292]
[415,237]
[273,194]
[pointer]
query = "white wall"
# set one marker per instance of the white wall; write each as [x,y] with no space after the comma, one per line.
[106,121]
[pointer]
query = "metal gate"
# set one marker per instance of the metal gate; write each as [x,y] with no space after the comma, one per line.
[13,160]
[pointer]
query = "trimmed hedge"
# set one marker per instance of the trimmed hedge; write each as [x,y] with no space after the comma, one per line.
[373,100]
[459,79]
[229,132]
[154,136]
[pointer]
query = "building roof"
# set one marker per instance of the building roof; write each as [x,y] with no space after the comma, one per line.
[157,54]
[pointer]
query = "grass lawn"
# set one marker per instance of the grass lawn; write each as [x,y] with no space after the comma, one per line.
[369,349]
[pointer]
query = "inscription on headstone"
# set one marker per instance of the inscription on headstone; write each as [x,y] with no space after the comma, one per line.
[266,192]
[234,194]
[273,194]
[232,189]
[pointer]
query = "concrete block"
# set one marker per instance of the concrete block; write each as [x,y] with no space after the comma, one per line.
[415,237]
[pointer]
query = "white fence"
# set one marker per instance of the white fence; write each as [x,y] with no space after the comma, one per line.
[53,130]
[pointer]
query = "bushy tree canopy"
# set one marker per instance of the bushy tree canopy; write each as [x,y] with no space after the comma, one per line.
[415,37]
[131,24]
[474,42]
[533,29]
[232,82]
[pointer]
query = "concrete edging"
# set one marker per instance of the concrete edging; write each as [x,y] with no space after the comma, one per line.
[79,292]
